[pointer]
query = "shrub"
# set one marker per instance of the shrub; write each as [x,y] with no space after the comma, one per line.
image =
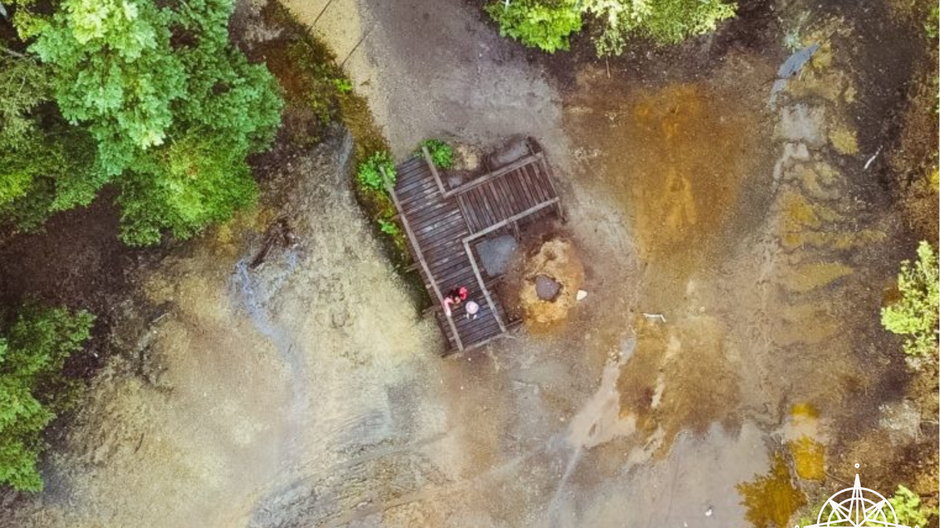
[663,21]
[389,228]
[369,174]
[544,24]
[442,154]
[547,24]
[915,314]
[33,351]
[910,511]
[343,85]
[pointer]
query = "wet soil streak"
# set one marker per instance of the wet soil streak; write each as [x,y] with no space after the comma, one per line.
[253,294]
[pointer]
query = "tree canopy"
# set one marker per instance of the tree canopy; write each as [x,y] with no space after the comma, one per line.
[170,108]
[33,350]
[915,314]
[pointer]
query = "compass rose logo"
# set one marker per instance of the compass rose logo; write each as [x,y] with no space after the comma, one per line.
[857,507]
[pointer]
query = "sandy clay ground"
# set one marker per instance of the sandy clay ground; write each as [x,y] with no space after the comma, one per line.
[308,391]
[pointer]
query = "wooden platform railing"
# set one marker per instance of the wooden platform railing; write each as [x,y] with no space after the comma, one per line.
[476,182]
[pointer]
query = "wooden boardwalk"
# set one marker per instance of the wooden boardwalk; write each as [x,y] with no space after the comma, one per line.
[443,224]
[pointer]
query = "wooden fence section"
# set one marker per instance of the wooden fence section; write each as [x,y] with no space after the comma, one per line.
[443,224]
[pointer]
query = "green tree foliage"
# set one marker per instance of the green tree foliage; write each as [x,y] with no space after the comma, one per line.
[173,109]
[22,88]
[114,72]
[546,24]
[190,183]
[543,24]
[33,351]
[915,314]
[44,163]
[910,511]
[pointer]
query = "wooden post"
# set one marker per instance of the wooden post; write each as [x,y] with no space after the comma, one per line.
[437,177]
[486,292]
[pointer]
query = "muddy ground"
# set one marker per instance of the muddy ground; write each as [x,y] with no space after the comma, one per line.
[308,391]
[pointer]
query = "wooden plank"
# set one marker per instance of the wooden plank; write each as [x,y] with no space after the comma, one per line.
[422,218]
[418,185]
[540,183]
[444,255]
[431,218]
[478,329]
[513,218]
[455,273]
[498,206]
[444,258]
[505,208]
[483,343]
[462,276]
[466,210]
[494,174]
[419,200]
[432,238]
[471,199]
[515,189]
[550,176]
[411,172]
[489,208]
[418,180]
[430,211]
[510,198]
[532,185]
[441,216]
[443,238]
[530,196]
[413,187]
[411,237]
[415,177]
[481,328]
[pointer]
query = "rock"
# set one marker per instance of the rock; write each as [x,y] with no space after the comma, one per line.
[547,288]
[581,295]
[792,153]
[516,148]
[551,278]
[901,419]
[802,123]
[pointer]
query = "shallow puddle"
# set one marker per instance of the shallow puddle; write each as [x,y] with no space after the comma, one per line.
[771,499]
[805,443]
[679,378]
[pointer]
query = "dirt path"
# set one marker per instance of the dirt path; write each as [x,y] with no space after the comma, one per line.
[307,392]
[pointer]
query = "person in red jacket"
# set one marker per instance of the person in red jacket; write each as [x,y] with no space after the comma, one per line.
[455,297]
